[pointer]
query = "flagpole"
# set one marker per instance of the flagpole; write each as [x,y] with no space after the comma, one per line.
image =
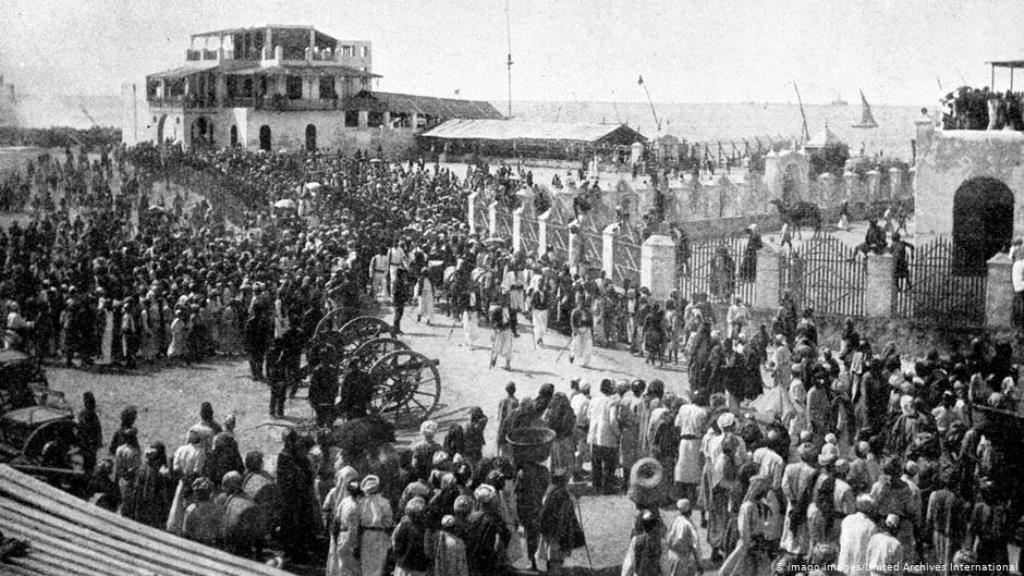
[508,35]
[651,102]
[806,134]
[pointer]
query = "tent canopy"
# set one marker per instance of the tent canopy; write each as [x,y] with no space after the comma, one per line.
[516,130]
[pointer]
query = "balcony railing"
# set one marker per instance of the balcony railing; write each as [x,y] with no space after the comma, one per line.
[278,103]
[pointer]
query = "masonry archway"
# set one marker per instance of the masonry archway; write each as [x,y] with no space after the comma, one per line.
[310,137]
[982,223]
[160,129]
[265,142]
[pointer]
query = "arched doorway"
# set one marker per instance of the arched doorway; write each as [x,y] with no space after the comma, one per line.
[265,138]
[201,133]
[982,223]
[791,184]
[160,129]
[234,135]
[310,137]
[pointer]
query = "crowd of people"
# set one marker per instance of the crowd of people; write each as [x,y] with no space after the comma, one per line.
[841,461]
[970,108]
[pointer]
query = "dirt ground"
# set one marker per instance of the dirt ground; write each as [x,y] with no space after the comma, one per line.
[168,400]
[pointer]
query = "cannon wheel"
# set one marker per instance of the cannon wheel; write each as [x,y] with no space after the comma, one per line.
[359,330]
[405,383]
[372,350]
[65,432]
[330,320]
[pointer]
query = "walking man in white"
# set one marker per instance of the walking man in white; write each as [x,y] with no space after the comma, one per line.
[398,259]
[539,302]
[379,275]
[514,285]
[582,323]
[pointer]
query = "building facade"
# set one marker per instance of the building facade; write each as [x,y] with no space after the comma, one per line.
[283,87]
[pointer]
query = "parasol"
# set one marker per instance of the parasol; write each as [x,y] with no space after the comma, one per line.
[285,203]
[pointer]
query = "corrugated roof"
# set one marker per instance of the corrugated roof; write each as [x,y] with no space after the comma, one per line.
[439,107]
[516,130]
[70,537]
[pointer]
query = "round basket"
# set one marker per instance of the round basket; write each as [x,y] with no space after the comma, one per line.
[531,444]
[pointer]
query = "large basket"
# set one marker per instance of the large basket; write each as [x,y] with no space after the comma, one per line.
[531,444]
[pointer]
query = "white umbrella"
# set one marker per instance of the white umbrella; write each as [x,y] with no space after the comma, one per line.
[312,185]
[285,203]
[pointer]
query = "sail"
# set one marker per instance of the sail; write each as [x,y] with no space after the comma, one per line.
[867,119]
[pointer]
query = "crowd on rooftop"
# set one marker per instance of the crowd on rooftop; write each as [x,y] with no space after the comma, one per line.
[969,108]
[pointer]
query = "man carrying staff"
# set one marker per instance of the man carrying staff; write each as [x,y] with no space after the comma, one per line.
[582,323]
[500,316]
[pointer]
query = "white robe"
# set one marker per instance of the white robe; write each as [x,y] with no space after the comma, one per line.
[855,532]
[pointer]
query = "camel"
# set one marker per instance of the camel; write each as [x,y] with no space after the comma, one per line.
[799,213]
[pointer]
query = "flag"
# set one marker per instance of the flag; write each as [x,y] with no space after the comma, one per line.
[640,82]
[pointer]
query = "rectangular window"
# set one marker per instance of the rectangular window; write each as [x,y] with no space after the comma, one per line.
[366,51]
[327,91]
[376,119]
[352,119]
[293,87]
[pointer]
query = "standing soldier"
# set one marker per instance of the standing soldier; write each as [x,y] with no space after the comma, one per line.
[539,302]
[500,316]
[513,284]
[582,323]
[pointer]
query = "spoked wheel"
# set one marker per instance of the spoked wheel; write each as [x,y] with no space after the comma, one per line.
[55,444]
[406,384]
[372,350]
[333,321]
[362,329]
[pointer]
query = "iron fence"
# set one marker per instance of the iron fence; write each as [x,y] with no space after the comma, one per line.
[717,267]
[938,290]
[832,279]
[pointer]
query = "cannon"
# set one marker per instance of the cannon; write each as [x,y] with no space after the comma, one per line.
[406,384]
[38,433]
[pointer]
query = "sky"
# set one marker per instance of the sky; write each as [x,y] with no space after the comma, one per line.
[896,51]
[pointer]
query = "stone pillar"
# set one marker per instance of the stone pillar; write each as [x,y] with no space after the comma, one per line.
[999,293]
[879,286]
[471,211]
[874,178]
[849,184]
[912,180]
[895,183]
[492,219]
[608,249]
[766,290]
[574,256]
[658,265]
[517,229]
[414,119]
[387,119]
[542,233]
[825,182]
[364,119]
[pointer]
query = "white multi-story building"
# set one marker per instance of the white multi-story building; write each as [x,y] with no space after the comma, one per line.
[286,87]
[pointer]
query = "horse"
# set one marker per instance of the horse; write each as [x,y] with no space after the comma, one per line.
[799,213]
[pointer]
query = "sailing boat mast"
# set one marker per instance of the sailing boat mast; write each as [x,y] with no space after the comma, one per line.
[508,35]
[806,133]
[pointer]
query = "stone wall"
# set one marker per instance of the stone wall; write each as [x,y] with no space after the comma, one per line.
[946,159]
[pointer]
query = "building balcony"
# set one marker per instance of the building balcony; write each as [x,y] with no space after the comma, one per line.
[272,103]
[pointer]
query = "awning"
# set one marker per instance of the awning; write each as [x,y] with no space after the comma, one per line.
[517,130]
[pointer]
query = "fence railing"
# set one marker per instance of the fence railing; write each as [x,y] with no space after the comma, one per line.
[938,290]
[832,279]
[717,266]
